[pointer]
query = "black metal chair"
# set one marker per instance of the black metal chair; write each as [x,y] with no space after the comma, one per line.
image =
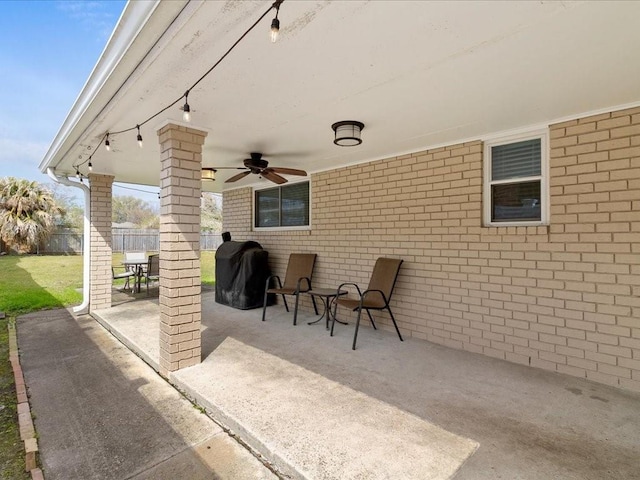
[376,297]
[297,280]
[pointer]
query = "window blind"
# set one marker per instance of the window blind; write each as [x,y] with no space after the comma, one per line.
[516,160]
[295,204]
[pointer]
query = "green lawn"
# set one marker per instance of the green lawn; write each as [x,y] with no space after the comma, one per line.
[29,283]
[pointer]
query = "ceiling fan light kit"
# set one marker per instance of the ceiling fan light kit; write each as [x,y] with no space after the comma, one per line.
[347,133]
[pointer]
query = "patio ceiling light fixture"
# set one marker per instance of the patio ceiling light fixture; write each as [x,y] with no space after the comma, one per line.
[347,133]
[208,174]
[186,108]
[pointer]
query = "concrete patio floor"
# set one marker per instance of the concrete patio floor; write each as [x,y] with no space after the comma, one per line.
[316,409]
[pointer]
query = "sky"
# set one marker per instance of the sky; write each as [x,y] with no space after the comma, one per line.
[47,51]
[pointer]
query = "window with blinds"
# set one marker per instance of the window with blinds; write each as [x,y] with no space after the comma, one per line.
[283,206]
[515,187]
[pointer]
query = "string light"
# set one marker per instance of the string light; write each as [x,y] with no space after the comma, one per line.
[275,25]
[186,108]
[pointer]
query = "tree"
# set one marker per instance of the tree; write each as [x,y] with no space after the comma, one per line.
[135,210]
[72,216]
[210,212]
[27,213]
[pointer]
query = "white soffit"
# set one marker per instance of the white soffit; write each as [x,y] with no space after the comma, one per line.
[416,73]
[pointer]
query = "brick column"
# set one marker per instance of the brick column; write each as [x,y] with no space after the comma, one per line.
[100,215]
[180,307]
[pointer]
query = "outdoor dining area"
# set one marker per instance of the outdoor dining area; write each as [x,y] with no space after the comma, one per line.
[135,268]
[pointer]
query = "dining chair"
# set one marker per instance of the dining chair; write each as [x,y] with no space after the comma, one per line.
[297,280]
[376,297]
[127,274]
[153,270]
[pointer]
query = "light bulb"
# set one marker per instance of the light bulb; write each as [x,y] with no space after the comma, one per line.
[139,137]
[186,113]
[90,167]
[107,144]
[275,29]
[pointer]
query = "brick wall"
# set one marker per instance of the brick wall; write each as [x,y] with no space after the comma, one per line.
[564,298]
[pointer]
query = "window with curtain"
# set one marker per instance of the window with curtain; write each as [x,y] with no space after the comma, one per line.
[282,206]
[515,185]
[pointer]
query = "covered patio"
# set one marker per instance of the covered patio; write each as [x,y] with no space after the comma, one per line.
[544,274]
[317,409]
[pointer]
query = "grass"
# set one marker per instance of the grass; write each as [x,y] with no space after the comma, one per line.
[29,283]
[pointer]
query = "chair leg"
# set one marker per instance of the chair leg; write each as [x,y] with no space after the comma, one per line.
[286,305]
[313,299]
[333,317]
[295,310]
[355,335]
[264,305]
[371,320]
[395,324]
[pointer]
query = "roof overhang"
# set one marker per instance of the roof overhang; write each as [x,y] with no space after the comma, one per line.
[417,74]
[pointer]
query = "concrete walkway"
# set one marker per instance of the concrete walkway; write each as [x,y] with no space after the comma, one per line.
[102,413]
[319,410]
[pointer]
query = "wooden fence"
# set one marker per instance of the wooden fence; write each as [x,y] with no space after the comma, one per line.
[122,240]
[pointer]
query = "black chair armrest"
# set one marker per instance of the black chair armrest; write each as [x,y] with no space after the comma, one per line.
[366,292]
[269,281]
[352,284]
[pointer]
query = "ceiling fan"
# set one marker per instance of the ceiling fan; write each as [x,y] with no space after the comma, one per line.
[258,166]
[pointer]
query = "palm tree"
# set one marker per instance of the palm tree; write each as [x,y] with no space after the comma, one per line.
[27,213]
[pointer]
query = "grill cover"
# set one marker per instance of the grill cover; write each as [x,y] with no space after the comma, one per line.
[242,270]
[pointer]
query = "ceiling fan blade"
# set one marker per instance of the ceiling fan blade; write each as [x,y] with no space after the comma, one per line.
[269,174]
[237,177]
[229,168]
[289,171]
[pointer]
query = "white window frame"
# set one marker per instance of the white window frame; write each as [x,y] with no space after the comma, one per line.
[285,228]
[543,135]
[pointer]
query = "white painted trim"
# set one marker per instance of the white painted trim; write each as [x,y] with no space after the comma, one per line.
[545,211]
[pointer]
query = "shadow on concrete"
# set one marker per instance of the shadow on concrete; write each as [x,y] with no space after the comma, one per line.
[530,423]
[93,421]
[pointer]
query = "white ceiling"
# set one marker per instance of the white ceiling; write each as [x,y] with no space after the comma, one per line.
[416,73]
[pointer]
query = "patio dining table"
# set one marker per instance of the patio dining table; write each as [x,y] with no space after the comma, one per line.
[137,265]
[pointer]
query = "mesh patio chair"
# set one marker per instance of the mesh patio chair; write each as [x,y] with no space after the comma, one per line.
[376,297]
[297,280]
[153,270]
[127,274]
